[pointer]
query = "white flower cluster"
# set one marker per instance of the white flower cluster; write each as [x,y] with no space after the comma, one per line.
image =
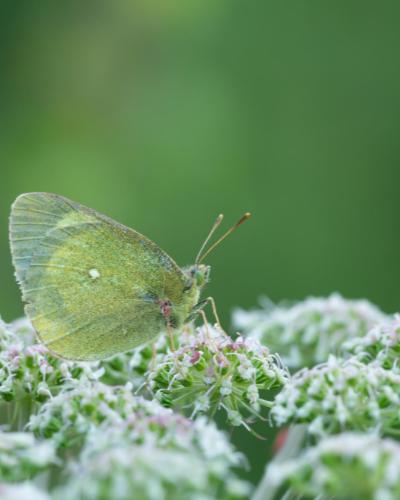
[162,456]
[347,466]
[28,368]
[22,456]
[131,444]
[380,345]
[82,405]
[341,395]
[210,371]
[111,442]
[306,333]
[90,409]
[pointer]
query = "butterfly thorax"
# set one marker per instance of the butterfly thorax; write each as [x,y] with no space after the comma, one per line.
[198,276]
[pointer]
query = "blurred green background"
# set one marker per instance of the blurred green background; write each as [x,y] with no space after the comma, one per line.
[164,114]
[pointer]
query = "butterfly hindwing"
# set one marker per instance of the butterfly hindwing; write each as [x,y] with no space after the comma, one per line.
[89,283]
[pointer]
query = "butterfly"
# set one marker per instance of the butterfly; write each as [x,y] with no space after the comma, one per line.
[92,287]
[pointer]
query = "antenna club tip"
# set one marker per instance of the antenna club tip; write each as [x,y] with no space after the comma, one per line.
[243,218]
[200,257]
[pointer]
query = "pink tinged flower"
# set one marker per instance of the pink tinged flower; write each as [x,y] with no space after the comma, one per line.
[41,349]
[210,372]
[30,352]
[222,360]
[33,350]
[13,351]
[237,344]
[15,361]
[195,357]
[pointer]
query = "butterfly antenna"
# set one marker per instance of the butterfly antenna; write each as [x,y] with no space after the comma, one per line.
[242,219]
[217,222]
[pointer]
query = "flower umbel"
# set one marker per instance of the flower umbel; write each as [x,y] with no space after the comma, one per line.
[210,371]
[81,405]
[380,345]
[344,466]
[28,368]
[306,333]
[341,395]
[162,455]
[22,456]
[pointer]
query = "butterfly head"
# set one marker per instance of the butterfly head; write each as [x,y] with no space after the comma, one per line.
[199,274]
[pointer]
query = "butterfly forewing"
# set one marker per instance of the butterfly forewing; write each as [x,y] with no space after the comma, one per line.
[89,283]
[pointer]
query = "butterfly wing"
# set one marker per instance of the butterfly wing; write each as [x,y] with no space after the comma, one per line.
[89,283]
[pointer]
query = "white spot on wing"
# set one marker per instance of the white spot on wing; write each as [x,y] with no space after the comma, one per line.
[94,273]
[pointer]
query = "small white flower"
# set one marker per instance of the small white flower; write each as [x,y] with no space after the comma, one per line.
[245,368]
[253,394]
[202,403]
[226,387]
[235,418]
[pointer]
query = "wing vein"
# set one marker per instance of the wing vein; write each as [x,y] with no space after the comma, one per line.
[36,211]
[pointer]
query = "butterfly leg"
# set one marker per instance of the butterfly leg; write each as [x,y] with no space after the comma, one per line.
[198,308]
[211,301]
[171,337]
[153,355]
[205,321]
